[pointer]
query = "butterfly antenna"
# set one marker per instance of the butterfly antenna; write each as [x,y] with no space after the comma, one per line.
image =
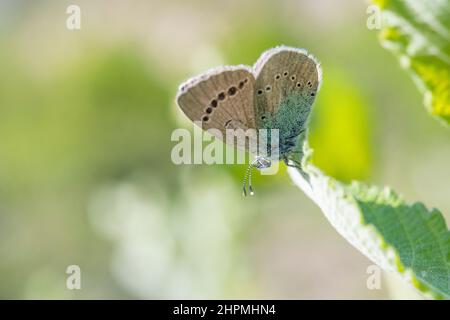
[250,188]
[248,175]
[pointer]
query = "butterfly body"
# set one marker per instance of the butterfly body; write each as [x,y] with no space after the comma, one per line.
[276,93]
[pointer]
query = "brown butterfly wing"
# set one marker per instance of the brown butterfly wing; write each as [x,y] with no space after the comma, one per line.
[222,98]
[281,71]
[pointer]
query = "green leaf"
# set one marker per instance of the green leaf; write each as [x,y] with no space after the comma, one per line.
[418,33]
[409,240]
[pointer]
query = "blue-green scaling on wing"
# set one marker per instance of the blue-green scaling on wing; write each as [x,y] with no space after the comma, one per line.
[287,81]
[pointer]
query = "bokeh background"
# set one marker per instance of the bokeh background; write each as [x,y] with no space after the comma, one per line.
[85,171]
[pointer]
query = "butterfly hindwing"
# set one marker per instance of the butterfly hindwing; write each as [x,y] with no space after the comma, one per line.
[283,71]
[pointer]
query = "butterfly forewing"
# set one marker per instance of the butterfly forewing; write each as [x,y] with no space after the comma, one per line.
[222,98]
[282,71]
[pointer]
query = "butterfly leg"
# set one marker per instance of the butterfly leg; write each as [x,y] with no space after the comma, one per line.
[293,163]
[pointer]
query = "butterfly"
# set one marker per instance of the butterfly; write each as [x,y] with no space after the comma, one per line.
[276,93]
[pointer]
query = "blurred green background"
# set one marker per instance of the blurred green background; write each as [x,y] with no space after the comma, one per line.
[85,171]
